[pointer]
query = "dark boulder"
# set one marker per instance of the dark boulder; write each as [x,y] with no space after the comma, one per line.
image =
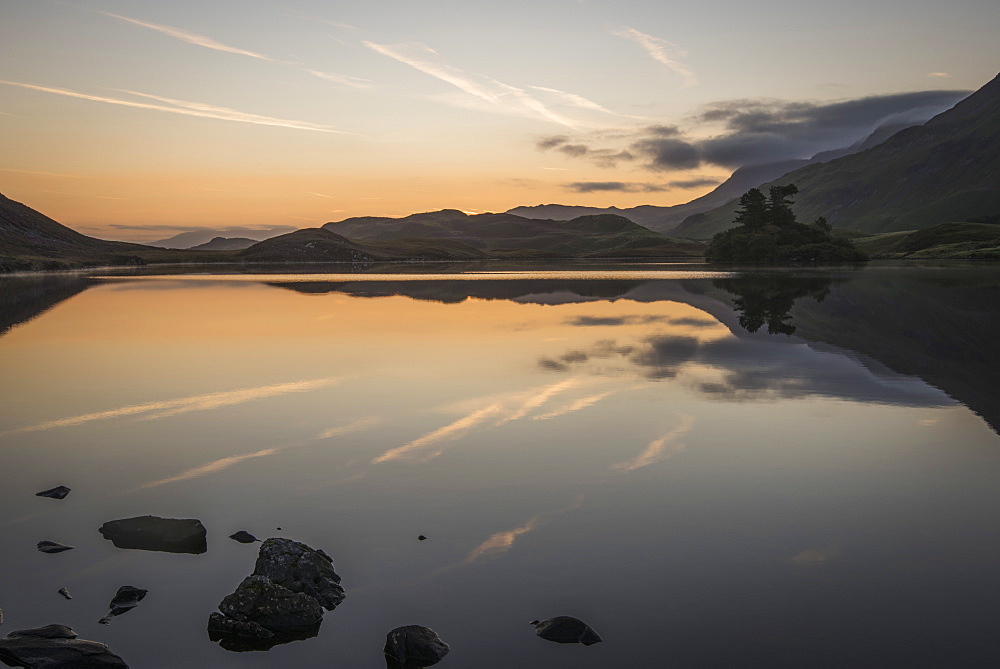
[413,646]
[52,547]
[300,569]
[59,492]
[65,593]
[55,647]
[243,537]
[566,629]
[271,605]
[150,533]
[126,599]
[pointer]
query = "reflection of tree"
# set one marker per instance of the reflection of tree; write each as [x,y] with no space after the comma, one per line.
[769,298]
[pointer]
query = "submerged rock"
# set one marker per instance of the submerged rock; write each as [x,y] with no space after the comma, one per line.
[65,593]
[243,537]
[566,629]
[52,547]
[151,533]
[55,647]
[413,646]
[126,599]
[59,492]
[283,600]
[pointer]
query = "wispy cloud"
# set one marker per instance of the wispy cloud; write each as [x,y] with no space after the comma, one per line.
[184,108]
[498,95]
[356,426]
[181,405]
[661,51]
[576,405]
[191,38]
[539,398]
[660,449]
[209,43]
[210,468]
[938,75]
[451,431]
[502,542]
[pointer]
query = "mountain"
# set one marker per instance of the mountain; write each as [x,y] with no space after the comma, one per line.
[320,245]
[226,244]
[666,219]
[945,170]
[193,238]
[605,235]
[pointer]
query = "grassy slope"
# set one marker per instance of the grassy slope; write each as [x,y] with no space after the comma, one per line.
[947,240]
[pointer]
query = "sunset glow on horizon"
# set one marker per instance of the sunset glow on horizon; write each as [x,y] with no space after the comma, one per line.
[139,120]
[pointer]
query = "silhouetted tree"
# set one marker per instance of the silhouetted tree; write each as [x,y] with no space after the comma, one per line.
[779,206]
[753,209]
[823,225]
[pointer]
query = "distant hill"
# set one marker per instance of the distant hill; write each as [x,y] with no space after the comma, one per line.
[226,244]
[946,240]
[667,219]
[319,245]
[195,238]
[604,235]
[947,169]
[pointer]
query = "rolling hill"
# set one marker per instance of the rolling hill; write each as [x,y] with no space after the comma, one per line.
[947,169]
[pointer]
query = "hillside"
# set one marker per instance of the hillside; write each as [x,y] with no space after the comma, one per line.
[226,244]
[945,170]
[604,235]
[319,245]
[945,241]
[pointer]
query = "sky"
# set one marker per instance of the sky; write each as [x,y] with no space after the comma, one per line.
[137,120]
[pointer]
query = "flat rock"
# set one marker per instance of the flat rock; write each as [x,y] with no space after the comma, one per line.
[243,537]
[566,629]
[59,492]
[52,547]
[413,646]
[151,533]
[55,647]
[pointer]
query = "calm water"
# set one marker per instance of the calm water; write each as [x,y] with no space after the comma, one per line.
[773,469]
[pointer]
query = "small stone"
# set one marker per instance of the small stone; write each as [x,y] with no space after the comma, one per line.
[59,492]
[422,538]
[126,599]
[65,593]
[413,646]
[52,547]
[566,629]
[243,537]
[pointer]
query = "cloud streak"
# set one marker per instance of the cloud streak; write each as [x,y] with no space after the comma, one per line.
[167,408]
[501,542]
[661,51]
[192,38]
[203,470]
[184,108]
[659,449]
[449,432]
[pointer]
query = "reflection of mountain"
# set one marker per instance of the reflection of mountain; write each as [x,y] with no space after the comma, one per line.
[24,298]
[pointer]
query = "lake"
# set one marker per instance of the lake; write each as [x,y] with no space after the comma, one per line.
[712,468]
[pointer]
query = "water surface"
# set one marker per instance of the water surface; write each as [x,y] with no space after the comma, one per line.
[739,468]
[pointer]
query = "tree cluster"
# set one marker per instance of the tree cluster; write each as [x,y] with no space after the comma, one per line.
[767,231]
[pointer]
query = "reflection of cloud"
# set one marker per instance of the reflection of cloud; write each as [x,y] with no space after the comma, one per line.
[540,398]
[210,468]
[815,557]
[502,542]
[608,321]
[448,432]
[361,424]
[181,405]
[660,449]
[577,405]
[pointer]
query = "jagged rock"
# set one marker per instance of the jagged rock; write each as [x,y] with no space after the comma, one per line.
[59,492]
[243,537]
[151,533]
[52,547]
[300,569]
[55,647]
[566,629]
[413,646]
[290,586]
[65,593]
[126,599]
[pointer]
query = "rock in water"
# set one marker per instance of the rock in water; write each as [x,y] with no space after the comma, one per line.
[243,537]
[413,646]
[283,600]
[126,599]
[421,538]
[59,492]
[55,647]
[52,547]
[65,593]
[565,629]
[150,533]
